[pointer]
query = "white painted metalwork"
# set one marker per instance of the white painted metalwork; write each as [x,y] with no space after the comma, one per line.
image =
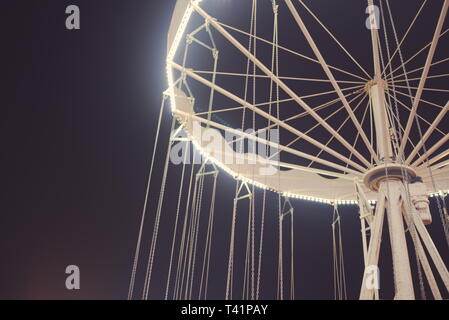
[380,162]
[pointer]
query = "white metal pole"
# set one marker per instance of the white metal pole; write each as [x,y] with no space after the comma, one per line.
[401,264]
[383,139]
[430,246]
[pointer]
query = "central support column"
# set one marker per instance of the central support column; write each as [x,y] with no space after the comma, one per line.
[377,95]
[383,139]
[403,282]
[391,192]
[391,189]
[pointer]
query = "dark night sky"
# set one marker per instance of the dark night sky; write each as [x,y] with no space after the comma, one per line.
[78,123]
[79,111]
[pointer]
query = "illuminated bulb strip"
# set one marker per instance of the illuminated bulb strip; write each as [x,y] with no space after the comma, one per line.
[182,28]
[440,193]
[259,185]
[171,54]
[292,195]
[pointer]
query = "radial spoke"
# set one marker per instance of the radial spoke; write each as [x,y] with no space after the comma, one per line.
[290,51]
[357,89]
[318,108]
[331,77]
[327,118]
[358,136]
[335,39]
[266,142]
[441,165]
[404,37]
[264,114]
[219,111]
[428,133]
[298,116]
[344,122]
[415,70]
[401,127]
[423,77]
[429,77]
[363,120]
[439,157]
[425,89]
[301,115]
[432,150]
[264,104]
[281,84]
[349,177]
[313,95]
[413,57]
[280,77]
[422,100]
[409,109]
[347,118]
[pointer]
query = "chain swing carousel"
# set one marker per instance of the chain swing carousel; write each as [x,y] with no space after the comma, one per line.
[258,74]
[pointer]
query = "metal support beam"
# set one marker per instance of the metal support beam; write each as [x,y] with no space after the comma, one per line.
[273,119]
[383,139]
[428,133]
[425,72]
[331,77]
[280,83]
[403,281]
[431,248]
